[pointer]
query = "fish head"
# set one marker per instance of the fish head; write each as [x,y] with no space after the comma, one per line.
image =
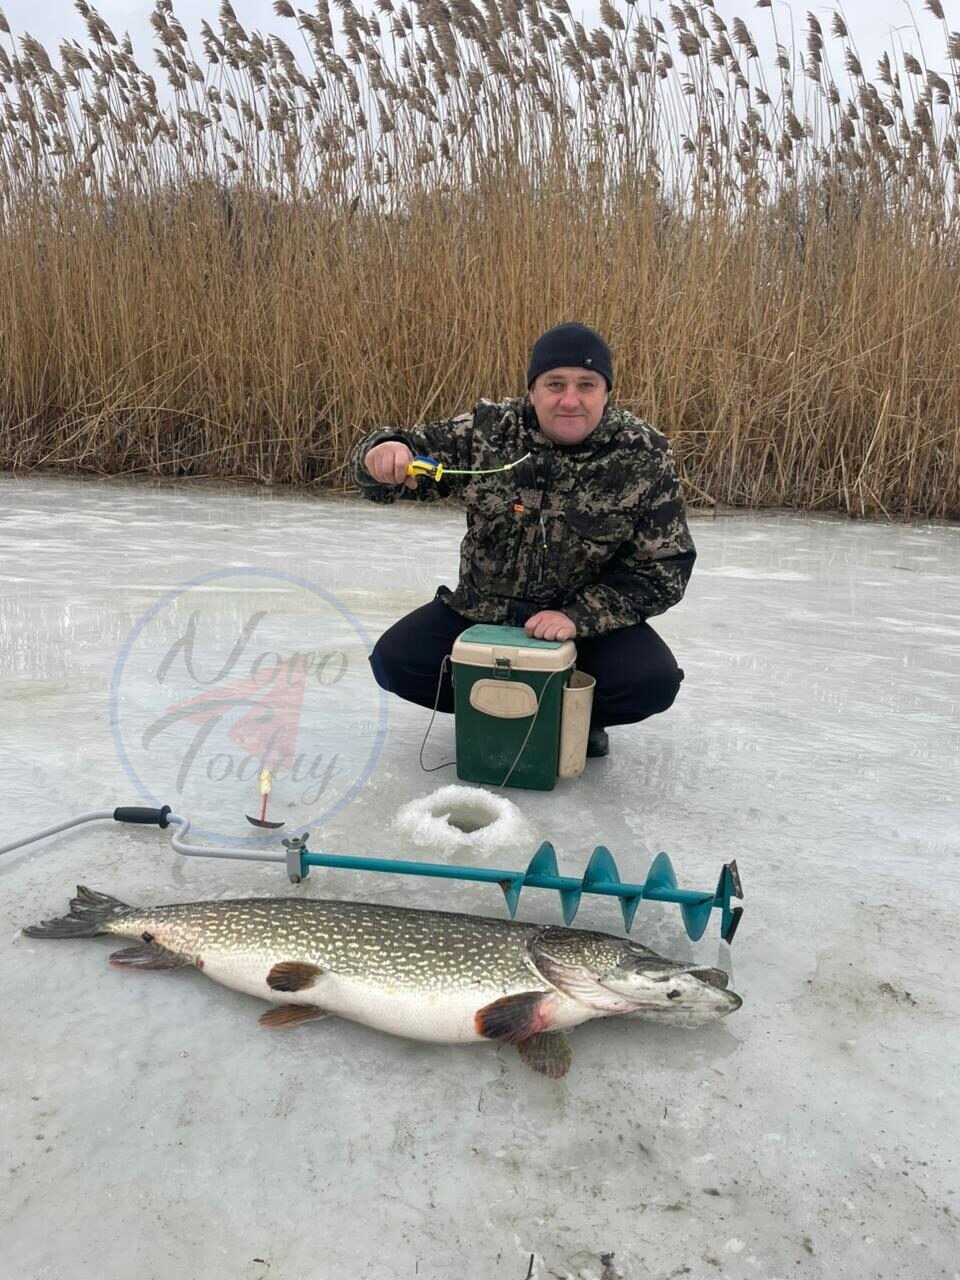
[688,997]
[616,976]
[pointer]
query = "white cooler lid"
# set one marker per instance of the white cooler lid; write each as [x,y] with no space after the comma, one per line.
[484,644]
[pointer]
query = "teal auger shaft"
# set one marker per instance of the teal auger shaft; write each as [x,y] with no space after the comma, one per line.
[600,877]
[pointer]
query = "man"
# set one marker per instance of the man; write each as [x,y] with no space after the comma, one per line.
[586,539]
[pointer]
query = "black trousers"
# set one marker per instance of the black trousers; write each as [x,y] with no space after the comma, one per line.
[636,674]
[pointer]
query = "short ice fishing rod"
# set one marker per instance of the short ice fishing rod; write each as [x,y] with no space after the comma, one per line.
[600,877]
[422,465]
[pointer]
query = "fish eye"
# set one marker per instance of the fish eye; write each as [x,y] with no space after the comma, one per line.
[673,995]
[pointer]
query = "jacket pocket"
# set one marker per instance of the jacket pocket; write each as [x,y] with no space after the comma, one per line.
[596,536]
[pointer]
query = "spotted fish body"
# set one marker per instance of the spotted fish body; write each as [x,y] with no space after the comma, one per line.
[425,975]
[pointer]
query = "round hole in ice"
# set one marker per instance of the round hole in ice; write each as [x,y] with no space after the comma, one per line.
[456,816]
[466,817]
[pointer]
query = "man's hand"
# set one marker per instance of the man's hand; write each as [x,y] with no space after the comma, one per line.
[549,624]
[388,463]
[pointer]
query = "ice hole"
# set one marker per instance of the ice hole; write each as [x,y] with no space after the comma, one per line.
[466,817]
[456,816]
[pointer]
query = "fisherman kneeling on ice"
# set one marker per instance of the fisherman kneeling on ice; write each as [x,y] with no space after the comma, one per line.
[584,539]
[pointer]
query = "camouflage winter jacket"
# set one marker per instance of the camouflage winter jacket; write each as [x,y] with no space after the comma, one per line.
[595,530]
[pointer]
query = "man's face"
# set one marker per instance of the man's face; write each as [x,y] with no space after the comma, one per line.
[569,403]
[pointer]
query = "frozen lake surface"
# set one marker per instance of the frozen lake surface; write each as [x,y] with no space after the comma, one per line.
[150,643]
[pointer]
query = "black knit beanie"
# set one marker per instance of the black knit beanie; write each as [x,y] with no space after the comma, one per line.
[571,346]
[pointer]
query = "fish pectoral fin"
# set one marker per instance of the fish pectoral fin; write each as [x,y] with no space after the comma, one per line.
[513,1018]
[291,1015]
[148,955]
[293,975]
[548,1053]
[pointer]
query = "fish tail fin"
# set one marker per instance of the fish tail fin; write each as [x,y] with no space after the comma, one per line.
[90,914]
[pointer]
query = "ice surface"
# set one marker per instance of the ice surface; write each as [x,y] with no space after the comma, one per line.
[150,1127]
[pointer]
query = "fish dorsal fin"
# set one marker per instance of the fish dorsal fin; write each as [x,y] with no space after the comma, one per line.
[291,1015]
[148,955]
[514,1018]
[548,1053]
[293,975]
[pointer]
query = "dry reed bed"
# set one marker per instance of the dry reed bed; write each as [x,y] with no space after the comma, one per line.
[288,245]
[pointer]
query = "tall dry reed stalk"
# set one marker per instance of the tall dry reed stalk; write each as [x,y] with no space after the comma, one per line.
[295,242]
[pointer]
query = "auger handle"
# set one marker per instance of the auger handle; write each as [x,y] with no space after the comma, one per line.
[146,817]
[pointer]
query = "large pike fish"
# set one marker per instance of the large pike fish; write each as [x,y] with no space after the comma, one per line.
[427,975]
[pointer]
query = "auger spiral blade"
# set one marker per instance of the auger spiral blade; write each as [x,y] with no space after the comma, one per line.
[661,886]
[543,873]
[511,891]
[602,876]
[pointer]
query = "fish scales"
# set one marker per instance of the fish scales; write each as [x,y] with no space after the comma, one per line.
[427,975]
[411,949]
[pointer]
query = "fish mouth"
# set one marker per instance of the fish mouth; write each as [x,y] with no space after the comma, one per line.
[709,1000]
[715,978]
[712,977]
[684,1014]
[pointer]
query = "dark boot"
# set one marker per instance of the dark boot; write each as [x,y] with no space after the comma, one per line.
[598,744]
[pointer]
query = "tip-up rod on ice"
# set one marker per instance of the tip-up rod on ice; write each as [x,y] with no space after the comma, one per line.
[600,877]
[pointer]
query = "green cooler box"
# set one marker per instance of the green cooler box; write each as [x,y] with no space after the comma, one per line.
[515,698]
